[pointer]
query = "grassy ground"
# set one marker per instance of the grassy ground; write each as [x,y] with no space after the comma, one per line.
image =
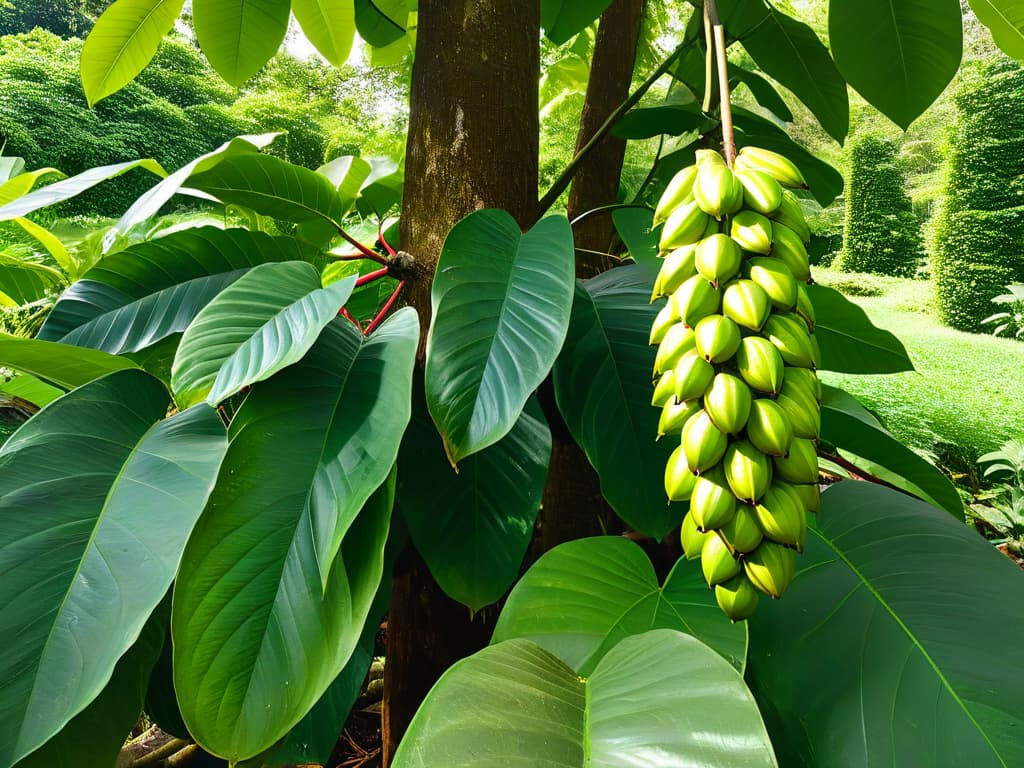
[967,395]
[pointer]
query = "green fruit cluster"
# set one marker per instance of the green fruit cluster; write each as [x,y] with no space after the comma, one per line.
[735,370]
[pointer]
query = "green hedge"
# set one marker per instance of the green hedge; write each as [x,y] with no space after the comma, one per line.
[978,235]
[882,233]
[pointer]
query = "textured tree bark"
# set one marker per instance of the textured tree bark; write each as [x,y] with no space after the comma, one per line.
[597,181]
[473,143]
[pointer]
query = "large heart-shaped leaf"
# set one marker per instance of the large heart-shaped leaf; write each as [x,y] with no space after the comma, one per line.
[263,322]
[846,424]
[92,541]
[915,51]
[669,120]
[1005,19]
[562,19]
[240,36]
[849,341]
[603,388]
[62,364]
[501,301]
[122,42]
[897,643]
[474,527]
[763,91]
[134,298]
[659,699]
[584,597]
[267,608]
[381,22]
[330,25]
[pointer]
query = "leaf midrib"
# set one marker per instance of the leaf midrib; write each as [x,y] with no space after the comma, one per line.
[131,38]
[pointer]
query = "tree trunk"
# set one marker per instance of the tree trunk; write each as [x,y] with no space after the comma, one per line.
[473,143]
[597,181]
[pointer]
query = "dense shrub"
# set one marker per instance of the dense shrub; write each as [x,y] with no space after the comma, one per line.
[62,17]
[882,232]
[978,237]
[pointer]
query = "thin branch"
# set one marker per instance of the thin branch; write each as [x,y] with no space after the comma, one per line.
[383,240]
[709,61]
[651,173]
[604,209]
[856,472]
[369,277]
[358,257]
[379,318]
[348,316]
[721,56]
[356,244]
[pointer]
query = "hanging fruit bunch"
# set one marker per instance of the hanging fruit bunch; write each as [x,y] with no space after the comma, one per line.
[735,370]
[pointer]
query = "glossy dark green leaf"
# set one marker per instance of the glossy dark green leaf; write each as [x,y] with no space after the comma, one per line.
[603,389]
[915,51]
[501,301]
[61,364]
[562,19]
[634,226]
[240,36]
[763,91]
[658,700]
[381,22]
[896,644]
[849,341]
[330,25]
[672,120]
[1005,19]
[91,542]
[29,388]
[582,598]
[382,189]
[473,528]
[134,298]
[278,580]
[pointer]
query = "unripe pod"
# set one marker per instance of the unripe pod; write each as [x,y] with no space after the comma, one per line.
[676,193]
[710,229]
[742,533]
[802,409]
[800,466]
[769,428]
[695,299]
[677,342]
[779,167]
[703,443]
[776,280]
[674,416]
[717,191]
[709,157]
[664,389]
[677,268]
[712,504]
[691,539]
[806,379]
[717,561]
[815,352]
[789,335]
[746,303]
[727,402]
[693,374]
[760,364]
[770,568]
[717,258]
[810,495]
[716,338]
[748,471]
[737,598]
[761,193]
[791,215]
[752,232]
[805,308]
[788,248]
[685,225]
[666,319]
[782,516]
[679,480]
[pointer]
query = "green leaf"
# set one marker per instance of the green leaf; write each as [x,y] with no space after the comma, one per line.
[635,227]
[263,322]
[582,598]
[603,389]
[846,424]
[108,523]
[473,528]
[563,19]
[659,699]
[62,364]
[347,174]
[896,643]
[1005,19]
[789,52]
[382,189]
[671,120]
[26,281]
[922,41]
[66,189]
[763,91]
[134,298]
[849,341]
[501,301]
[52,244]
[123,41]
[258,636]
[11,167]
[29,388]
[22,184]
[381,22]
[330,25]
[240,36]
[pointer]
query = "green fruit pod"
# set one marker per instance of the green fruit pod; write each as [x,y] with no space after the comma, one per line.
[761,193]
[677,342]
[789,249]
[711,229]
[717,562]
[737,598]
[746,303]
[800,465]
[664,389]
[695,299]
[742,533]
[685,225]
[717,191]
[717,258]
[789,335]
[791,214]
[727,403]
[674,415]
[782,517]
[779,167]
[677,268]
[777,281]
[748,471]
[805,308]
[678,191]
[712,504]
[810,495]
[716,338]
[679,480]
[770,568]
[769,428]
[693,375]
[665,319]
[703,443]
[802,408]
[760,364]
[752,232]
[806,379]
[691,539]
[709,157]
